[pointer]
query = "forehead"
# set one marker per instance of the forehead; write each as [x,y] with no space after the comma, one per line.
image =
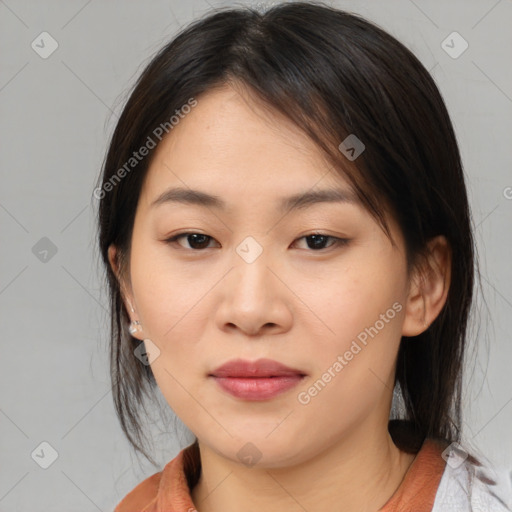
[230,143]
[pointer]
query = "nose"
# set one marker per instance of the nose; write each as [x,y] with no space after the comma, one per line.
[255,299]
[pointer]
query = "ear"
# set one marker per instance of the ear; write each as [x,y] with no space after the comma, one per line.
[428,287]
[126,292]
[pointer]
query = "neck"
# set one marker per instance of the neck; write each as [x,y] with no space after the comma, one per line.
[357,473]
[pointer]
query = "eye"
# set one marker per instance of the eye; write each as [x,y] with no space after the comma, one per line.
[317,241]
[196,240]
[199,241]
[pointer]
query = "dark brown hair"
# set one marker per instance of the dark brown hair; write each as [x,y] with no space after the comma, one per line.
[332,73]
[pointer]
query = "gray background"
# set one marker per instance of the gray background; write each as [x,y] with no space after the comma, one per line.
[56,117]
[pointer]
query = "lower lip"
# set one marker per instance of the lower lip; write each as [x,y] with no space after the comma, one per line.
[258,388]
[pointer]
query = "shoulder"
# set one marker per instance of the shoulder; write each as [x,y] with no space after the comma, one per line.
[143,497]
[467,486]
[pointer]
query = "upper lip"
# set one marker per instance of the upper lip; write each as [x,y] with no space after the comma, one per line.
[258,368]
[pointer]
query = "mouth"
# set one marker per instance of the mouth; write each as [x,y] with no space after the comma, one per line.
[256,380]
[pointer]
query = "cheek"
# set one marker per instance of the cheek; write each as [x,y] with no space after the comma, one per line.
[362,314]
[168,295]
[356,297]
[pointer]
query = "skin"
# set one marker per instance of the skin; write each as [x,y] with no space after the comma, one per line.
[296,304]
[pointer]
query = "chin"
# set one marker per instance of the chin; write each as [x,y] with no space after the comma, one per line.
[263,451]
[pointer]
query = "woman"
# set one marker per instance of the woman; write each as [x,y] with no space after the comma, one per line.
[287,239]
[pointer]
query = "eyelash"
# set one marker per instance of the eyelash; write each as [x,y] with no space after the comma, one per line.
[340,242]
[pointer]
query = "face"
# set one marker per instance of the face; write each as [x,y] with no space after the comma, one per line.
[251,281]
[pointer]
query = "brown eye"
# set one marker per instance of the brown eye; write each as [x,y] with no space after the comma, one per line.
[199,241]
[196,241]
[318,241]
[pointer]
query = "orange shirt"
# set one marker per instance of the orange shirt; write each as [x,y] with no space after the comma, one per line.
[169,491]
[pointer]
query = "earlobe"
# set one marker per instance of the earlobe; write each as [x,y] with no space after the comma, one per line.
[429,287]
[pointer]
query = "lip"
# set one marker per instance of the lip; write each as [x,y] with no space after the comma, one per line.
[256,380]
[258,368]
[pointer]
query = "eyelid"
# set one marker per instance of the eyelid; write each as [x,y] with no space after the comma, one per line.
[174,239]
[338,241]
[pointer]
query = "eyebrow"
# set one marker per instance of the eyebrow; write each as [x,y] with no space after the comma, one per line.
[293,202]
